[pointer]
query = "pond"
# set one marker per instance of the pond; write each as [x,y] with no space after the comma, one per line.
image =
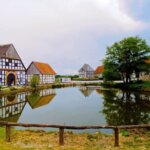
[77,106]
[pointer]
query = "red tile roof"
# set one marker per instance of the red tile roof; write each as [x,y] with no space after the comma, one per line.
[44,68]
[147,61]
[99,69]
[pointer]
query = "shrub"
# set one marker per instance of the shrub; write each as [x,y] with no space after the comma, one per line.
[12,88]
[125,133]
[34,81]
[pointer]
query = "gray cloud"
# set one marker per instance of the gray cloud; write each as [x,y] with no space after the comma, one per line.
[64,33]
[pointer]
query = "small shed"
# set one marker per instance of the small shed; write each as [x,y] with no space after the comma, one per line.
[65,80]
[44,71]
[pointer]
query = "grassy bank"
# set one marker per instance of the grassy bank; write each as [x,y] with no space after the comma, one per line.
[29,139]
[17,89]
[134,86]
[139,86]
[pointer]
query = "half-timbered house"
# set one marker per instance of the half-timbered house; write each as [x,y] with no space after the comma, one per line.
[12,69]
[86,71]
[44,71]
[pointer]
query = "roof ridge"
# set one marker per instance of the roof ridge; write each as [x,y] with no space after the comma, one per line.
[43,68]
[6,44]
[40,62]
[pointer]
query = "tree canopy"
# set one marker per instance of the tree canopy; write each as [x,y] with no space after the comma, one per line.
[126,57]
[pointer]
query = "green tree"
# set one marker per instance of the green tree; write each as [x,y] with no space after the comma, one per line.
[127,57]
[34,81]
[110,72]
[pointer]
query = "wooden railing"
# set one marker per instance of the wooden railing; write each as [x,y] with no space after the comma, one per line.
[61,128]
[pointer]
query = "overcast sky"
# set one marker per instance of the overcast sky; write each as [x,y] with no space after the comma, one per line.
[68,33]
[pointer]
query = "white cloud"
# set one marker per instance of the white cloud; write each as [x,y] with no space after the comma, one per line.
[63,31]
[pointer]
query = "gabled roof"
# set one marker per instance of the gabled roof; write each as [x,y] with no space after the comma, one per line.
[86,67]
[86,91]
[99,69]
[8,51]
[44,68]
[3,49]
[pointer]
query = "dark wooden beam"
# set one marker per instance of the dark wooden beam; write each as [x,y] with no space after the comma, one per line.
[8,133]
[61,136]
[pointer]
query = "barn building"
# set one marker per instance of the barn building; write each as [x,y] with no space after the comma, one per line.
[44,71]
[12,69]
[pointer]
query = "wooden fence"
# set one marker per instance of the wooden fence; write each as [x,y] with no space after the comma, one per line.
[61,128]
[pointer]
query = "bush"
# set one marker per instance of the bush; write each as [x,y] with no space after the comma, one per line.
[108,84]
[85,79]
[0,87]
[12,88]
[34,81]
[125,133]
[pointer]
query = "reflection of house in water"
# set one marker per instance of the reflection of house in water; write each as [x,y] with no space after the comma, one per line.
[12,106]
[86,90]
[99,91]
[40,98]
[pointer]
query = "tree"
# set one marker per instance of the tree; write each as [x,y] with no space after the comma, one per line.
[34,81]
[110,72]
[127,57]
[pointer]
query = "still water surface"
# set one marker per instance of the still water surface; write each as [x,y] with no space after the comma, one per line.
[77,106]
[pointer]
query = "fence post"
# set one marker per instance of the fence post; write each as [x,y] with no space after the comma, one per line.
[116,134]
[8,132]
[61,136]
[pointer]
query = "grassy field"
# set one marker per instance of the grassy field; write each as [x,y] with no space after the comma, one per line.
[40,140]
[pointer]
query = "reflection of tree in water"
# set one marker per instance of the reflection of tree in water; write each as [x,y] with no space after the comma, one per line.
[126,108]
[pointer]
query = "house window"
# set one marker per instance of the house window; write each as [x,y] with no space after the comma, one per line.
[7,63]
[16,64]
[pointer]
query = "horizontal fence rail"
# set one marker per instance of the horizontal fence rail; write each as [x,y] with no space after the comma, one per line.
[61,128]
